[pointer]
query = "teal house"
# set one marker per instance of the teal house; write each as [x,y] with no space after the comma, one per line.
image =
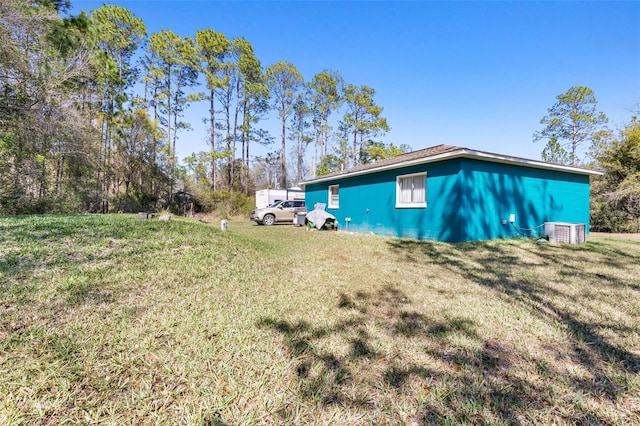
[454,194]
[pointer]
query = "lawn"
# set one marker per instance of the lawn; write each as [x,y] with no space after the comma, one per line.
[115,320]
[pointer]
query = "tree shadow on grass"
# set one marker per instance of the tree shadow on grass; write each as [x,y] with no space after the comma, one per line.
[490,264]
[322,373]
[343,365]
[384,352]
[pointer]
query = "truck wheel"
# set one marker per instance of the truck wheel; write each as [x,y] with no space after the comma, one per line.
[268,219]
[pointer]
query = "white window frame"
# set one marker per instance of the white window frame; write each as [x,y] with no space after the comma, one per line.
[412,204]
[330,203]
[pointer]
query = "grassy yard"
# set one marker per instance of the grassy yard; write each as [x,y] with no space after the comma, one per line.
[115,320]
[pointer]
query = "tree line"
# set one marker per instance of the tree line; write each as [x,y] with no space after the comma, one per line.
[92,109]
[577,135]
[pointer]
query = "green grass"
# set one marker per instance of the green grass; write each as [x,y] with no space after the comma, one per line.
[114,320]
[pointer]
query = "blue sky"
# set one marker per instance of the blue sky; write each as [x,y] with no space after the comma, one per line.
[475,74]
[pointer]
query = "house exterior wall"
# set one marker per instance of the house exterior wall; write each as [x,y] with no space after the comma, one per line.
[370,201]
[493,191]
[467,200]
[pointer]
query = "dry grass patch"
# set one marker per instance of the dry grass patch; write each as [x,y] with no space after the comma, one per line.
[111,320]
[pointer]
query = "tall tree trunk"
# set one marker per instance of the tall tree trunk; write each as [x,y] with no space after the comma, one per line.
[155,190]
[315,157]
[355,145]
[228,139]
[212,139]
[247,143]
[59,168]
[102,169]
[243,143]
[299,158]
[108,168]
[574,146]
[283,154]
[171,160]
[235,135]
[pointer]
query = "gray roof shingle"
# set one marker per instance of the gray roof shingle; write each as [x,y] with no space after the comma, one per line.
[448,151]
[409,156]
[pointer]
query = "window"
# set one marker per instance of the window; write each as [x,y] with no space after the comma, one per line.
[334,197]
[411,190]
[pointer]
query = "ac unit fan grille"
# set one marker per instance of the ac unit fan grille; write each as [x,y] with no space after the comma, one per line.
[562,232]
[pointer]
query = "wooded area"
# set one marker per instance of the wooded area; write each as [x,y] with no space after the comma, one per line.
[92,108]
[574,122]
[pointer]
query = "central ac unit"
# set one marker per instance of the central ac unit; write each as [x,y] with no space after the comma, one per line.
[565,232]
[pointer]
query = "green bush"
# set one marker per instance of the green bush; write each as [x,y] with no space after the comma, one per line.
[225,203]
[18,203]
[604,218]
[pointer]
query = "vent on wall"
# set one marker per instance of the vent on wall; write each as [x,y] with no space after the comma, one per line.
[565,232]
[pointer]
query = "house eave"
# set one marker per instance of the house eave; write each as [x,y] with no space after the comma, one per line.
[461,153]
[506,159]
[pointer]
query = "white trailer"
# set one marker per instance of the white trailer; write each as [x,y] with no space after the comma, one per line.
[266,197]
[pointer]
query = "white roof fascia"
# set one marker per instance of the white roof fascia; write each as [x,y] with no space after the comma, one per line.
[461,153]
[506,159]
